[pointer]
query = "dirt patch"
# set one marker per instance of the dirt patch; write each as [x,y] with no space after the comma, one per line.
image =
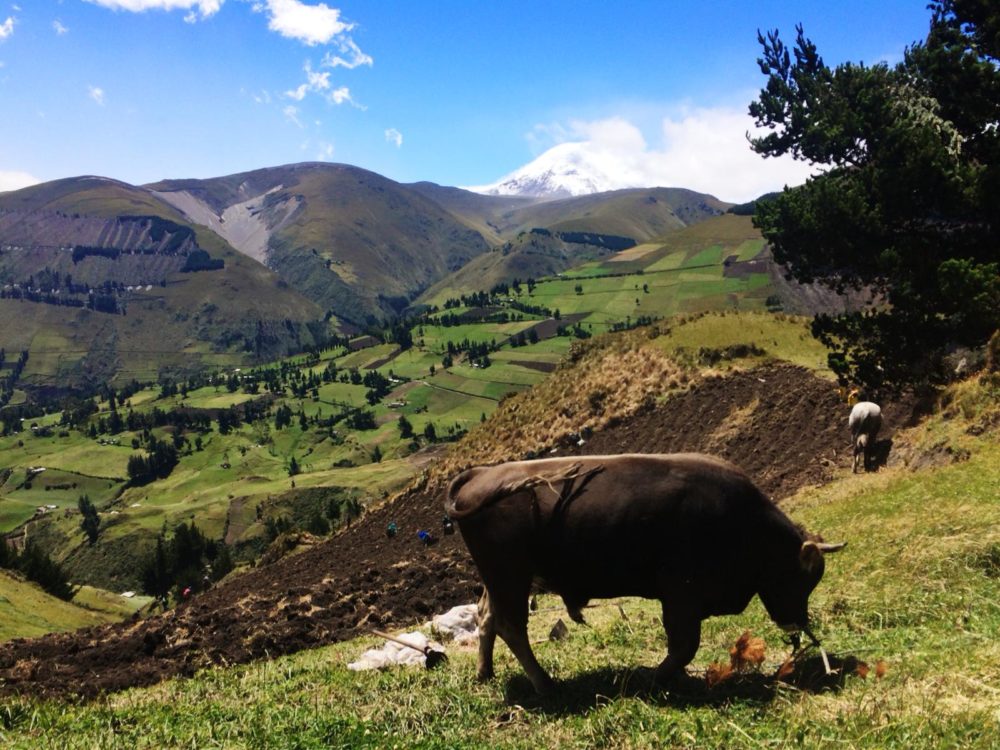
[783,425]
[549,327]
[532,364]
[377,363]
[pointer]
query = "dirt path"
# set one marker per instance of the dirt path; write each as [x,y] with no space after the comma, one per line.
[782,424]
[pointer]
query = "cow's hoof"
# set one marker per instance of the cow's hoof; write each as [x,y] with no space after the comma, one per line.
[669,677]
[484,675]
[544,687]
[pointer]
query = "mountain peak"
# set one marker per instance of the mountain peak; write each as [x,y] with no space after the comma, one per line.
[564,171]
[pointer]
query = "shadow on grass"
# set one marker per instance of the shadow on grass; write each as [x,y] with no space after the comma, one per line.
[880,454]
[588,690]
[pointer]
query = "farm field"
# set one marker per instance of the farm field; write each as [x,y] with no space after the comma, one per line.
[908,672]
[233,485]
[708,266]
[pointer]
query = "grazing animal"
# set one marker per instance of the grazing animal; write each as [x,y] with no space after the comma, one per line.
[690,530]
[865,422]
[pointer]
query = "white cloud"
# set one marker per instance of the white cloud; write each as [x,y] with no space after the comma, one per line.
[703,149]
[205,7]
[342,95]
[394,136]
[298,93]
[292,114]
[354,56]
[96,93]
[11,180]
[325,151]
[707,149]
[6,28]
[59,28]
[309,24]
[315,82]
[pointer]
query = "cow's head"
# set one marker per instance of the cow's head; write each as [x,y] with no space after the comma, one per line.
[786,597]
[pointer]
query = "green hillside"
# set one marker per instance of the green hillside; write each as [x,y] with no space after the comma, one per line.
[464,360]
[715,264]
[530,255]
[27,611]
[914,659]
[481,212]
[356,243]
[639,213]
[155,312]
[346,440]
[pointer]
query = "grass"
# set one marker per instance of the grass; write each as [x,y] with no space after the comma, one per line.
[26,610]
[784,336]
[934,634]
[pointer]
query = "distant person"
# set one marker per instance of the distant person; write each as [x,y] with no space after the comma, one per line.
[426,538]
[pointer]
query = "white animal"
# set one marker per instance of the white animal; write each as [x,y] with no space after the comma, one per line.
[864,422]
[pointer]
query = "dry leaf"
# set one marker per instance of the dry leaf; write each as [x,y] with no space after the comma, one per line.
[748,652]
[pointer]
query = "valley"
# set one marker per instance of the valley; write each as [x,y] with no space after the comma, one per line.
[678,427]
[211,504]
[360,418]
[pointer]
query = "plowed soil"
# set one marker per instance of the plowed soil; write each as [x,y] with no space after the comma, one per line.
[783,425]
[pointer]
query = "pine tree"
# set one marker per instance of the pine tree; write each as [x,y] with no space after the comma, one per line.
[907,204]
[90,521]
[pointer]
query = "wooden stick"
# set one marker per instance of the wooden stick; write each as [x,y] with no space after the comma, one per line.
[401,642]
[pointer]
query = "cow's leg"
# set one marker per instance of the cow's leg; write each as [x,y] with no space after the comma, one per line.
[683,638]
[509,607]
[487,637]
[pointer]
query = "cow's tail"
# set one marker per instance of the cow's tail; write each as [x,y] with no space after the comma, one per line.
[451,498]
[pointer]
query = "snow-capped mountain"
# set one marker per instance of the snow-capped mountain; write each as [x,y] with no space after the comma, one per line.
[565,170]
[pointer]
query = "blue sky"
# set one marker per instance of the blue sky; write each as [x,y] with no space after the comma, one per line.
[456,92]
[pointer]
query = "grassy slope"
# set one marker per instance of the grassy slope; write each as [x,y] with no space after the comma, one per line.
[639,213]
[529,255]
[481,212]
[621,366]
[178,326]
[26,610]
[642,213]
[683,271]
[784,336]
[934,634]
[357,236]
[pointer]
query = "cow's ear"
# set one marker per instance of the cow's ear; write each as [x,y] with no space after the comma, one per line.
[810,556]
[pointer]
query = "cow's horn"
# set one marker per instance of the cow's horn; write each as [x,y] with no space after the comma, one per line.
[827,547]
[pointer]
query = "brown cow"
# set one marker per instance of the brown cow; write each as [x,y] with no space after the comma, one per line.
[690,530]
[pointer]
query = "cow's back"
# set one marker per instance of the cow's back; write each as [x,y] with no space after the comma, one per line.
[620,531]
[866,416]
